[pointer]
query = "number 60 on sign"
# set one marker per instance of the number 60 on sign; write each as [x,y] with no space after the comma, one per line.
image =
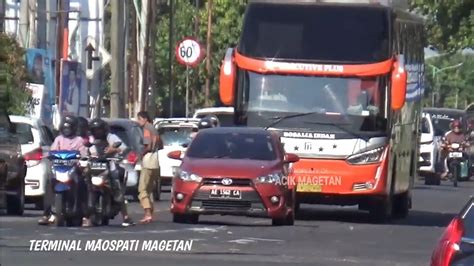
[189,52]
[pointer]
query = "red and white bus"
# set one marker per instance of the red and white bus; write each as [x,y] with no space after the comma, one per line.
[342,83]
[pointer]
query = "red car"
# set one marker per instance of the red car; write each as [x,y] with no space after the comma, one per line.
[456,245]
[234,171]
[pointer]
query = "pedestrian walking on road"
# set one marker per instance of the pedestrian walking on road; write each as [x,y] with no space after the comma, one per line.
[150,165]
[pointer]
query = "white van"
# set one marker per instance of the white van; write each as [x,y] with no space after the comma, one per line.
[429,151]
[224,114]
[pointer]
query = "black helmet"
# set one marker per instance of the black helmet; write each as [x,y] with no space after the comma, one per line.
[82,126]
[68,126]
[214,120]
[99,128]
[208,122]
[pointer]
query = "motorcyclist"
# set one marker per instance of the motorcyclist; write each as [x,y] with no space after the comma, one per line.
[67,140]
[208,121]
[99,130]
[456,135]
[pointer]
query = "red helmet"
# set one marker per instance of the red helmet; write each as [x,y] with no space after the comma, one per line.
[456,123]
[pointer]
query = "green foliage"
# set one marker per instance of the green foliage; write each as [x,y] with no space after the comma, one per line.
[449,23]
[226,26]
[451,81]
[14,96]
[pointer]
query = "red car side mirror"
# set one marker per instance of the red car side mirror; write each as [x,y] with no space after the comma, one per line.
[291,158]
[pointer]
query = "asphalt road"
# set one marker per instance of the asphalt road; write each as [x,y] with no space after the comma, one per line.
[322,235]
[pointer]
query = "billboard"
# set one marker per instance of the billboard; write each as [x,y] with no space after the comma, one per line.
[71,89]
[40,72]
[37,94]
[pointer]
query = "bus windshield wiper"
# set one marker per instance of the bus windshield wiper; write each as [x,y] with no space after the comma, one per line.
[281,118]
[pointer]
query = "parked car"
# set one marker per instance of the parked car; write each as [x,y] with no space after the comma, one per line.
[456,245]
[12,168]
[36,140]
[224,114]
[175,134]
[429,151]
[131,134]
[234,171]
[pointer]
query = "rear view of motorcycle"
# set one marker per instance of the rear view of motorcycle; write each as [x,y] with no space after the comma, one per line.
[458,162]
[68,188]
[103,205]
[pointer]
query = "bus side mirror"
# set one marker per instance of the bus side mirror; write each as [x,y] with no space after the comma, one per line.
[399,85]
[227,78]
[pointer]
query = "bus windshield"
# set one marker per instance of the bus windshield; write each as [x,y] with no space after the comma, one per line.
[316,32]
[355,102]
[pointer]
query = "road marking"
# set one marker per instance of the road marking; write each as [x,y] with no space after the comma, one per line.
[203,230]
[207,229]
[197,239]
[266,239]
[242,241]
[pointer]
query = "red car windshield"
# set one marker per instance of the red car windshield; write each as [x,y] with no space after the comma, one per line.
[232,146]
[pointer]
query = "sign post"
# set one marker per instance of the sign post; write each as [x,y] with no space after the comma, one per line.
[189,53]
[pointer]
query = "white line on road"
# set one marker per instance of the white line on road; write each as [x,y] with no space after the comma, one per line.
[243,241]
[266,239]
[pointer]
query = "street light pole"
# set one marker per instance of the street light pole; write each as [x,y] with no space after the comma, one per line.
[435,72]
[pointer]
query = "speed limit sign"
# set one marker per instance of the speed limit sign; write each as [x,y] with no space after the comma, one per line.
[189,52]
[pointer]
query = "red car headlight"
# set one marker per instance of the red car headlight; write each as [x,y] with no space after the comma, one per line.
[274,178]
[188,177]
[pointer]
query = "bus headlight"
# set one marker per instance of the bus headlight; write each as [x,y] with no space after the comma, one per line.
[371,156]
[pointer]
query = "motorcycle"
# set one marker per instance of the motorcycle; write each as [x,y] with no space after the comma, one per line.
[458,162]
[101,205]
[68,186]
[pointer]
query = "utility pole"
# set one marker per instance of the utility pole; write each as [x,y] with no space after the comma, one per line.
[42,25]
[170,57]
[60,24]
[132,62]
[152,108]
[208,52]
[143,53]
[32,43]
[23,25]
[118,63]
[196,77]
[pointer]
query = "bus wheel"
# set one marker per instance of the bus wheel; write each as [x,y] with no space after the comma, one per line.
[401,205]
[381,210]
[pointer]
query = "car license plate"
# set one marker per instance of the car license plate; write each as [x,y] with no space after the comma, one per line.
[98,166]
[309,188]
[455,155]
[225,194]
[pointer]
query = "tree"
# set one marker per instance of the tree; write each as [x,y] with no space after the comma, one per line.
[449,23]
[226,27]
[13,77]
[456,85]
